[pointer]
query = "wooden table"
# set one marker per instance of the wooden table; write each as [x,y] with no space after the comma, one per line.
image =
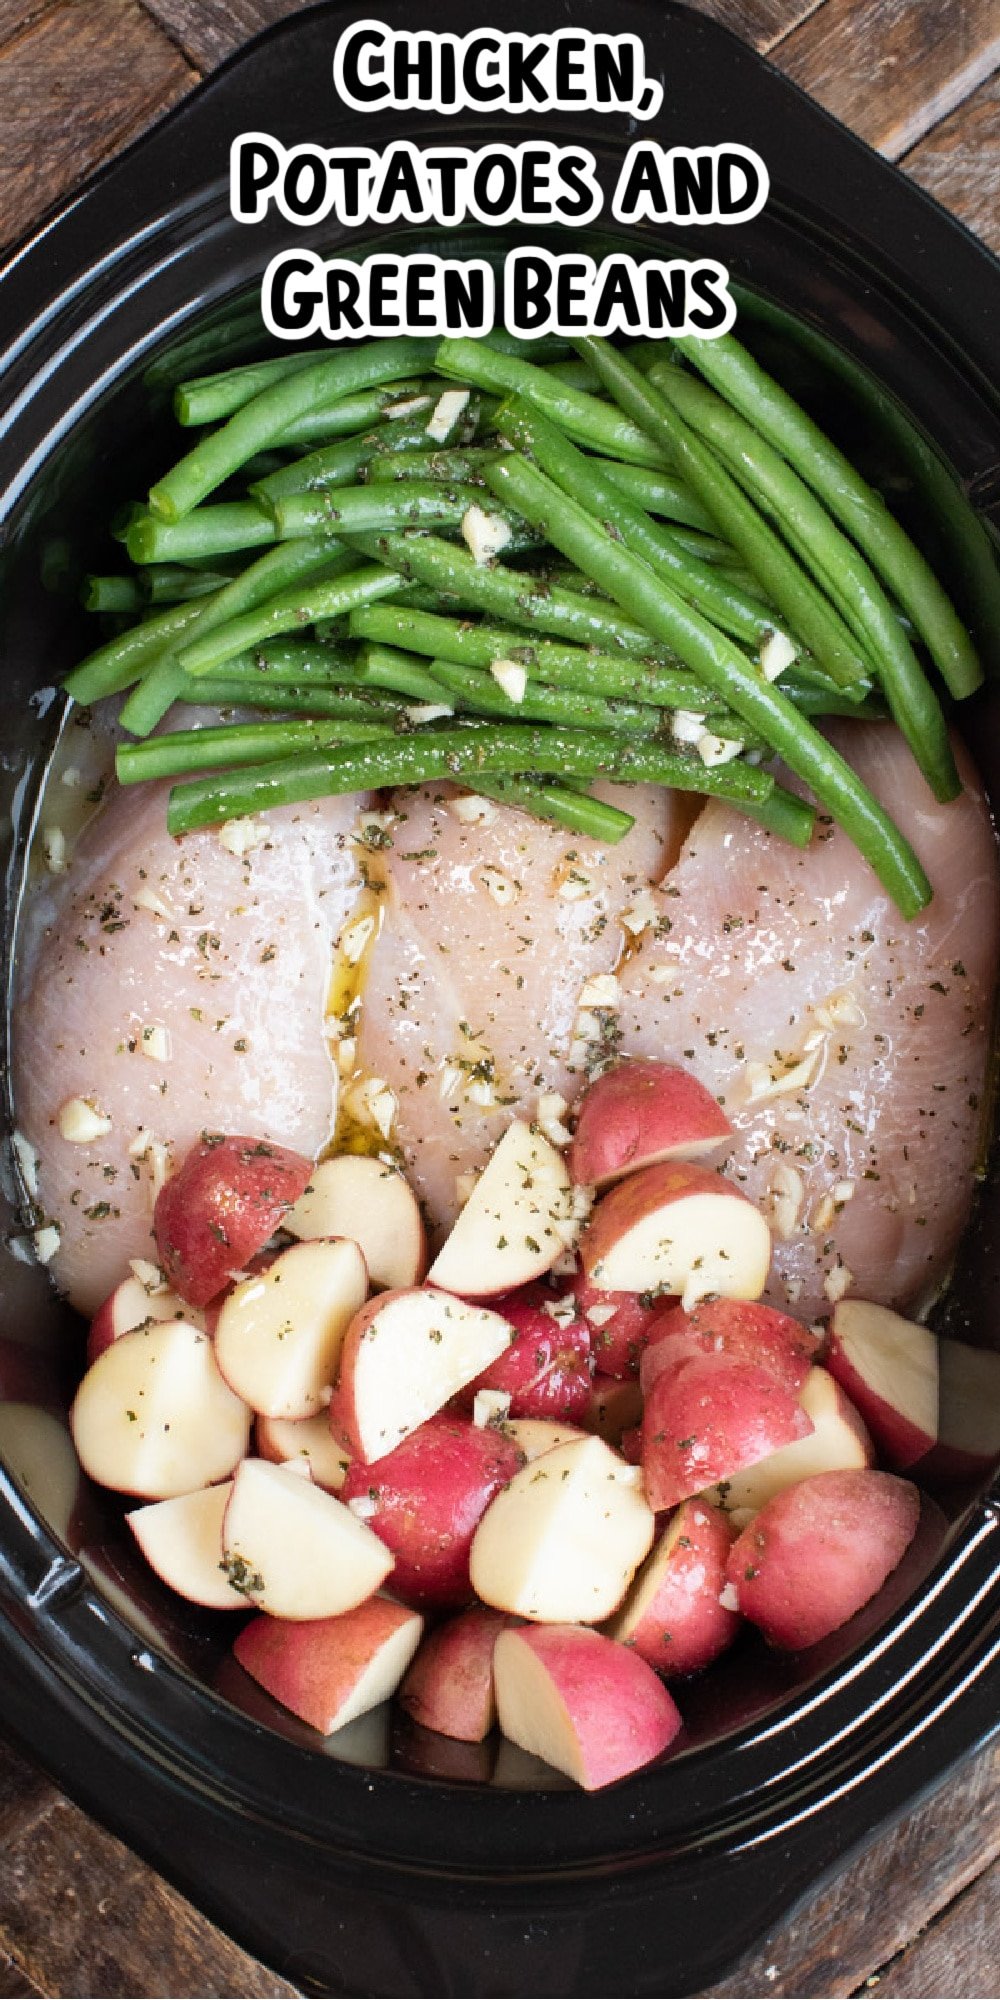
[919,79]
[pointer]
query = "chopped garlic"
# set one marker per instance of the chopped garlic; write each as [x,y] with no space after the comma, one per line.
[429,711]
[640,914]
[465,1185]
[446,413]
[147,899]
[490,1406]
[823,1215]
[154,1042]
[659,975]
[602,990]
[241,836]
[728,1598]
[551,1110]
[448,1082]
[763,1083]
[158,1156]
[347,1054]
[81,1122]
[513,679]
[575,885]
[837,1282]
[843,1191]
[686,725]
[46,1242]
[362,1505]
[373,1103]
[502,889]
[409,408]
[601,1315]
[793,1290]
[472,809]
[354,937]
[563,1310]
[776,653]
[565,1265]
[27,1160]
[715,750]
[54,849]
[149,1275]
[841,1010]
[786,1195]
[484,534]
[480,1092]
[140,1145]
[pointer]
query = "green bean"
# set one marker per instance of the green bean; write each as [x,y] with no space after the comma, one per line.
[725,669]
[585,419]
[389,667]
[743,618]
[174,583]
[464,463]
[837,565]
[578,811]
[505,594]
[354,704]
[123,660]
[785,814]
[291,662]
[339,464]
[366,510]
[566,665]
[458,753]
[224,529]
[233,743]
[400,403]
[268,417]
[275,569]
[481,693]
[111,593]
[658,493]
[288,611]
[207,399]
[849,498]
[809,613]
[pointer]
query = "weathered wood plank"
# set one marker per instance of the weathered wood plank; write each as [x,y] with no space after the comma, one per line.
[959,162]
[81,82]
[958,1955]
[79,1914]
[14,1984]
[207,34]
[876,1907]
[892,70]
[24,1794]
[17,15]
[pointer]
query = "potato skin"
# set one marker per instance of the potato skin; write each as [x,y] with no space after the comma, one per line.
[220,1208]
[429,1496]
[820,1551]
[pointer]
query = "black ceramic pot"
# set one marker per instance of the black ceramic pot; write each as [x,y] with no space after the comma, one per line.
[390,1862]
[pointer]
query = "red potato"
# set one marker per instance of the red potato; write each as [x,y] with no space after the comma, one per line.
[226,1200]
[154,1416]
[588,1706]
[450,1686]
[373,1204]
[677,1230]
[639,1113]
[294,1550]
[425,1501]
[140,1298]
[306,1441]
[534,1436]
[405,1355]
[674,1615]
[819,1551]
[328,1671]
[546,1369]
[181,1540]
[889,1367]
[518,1221]
[707,1419]
[742,1328]
[630,1445]
[620,1324]
[565,1537]
[838,1442]
[968,1444]
[279,1334]
[613,1409]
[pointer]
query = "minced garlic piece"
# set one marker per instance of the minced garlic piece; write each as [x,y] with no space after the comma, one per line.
[147,899]
[686,725]
[54,849]
[472,809]
[81,1122]
[154,1042]
[429,711]
[241,836]
[502,889]
[640,914]
[354,937]
[490,1406]
[484,534]
[602,990]
[838,1282]
[446,413]
[46,1242]
[465,1185]
[715,750]
[776,653]
[786,1195]
[550,1113]
[28,1161]
[513,679]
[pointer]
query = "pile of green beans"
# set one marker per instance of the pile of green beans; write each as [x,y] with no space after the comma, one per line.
[521,569]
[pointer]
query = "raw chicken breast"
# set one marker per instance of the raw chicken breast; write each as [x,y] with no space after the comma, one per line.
[176,987]
[847,1045]
[491,931]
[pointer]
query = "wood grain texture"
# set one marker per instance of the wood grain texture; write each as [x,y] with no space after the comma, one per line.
[892,69]
[24,1794]
[958,1955]
[959,163]
[80,1915]
[206,34]
[18,15]
[842,1936]
[86,78]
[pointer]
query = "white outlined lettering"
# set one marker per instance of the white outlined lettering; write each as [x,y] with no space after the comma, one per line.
[377,68]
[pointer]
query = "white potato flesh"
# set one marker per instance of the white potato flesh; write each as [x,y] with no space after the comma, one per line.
[890,1366]
[838,1442]
[294,1550]
[418,1350]
[371,1202]
[306,1441]
[563,1541]
[694,1247]
[279,1336]
[155,1417]
[532,1711]
[516,1223]
[181,1540]
[378,1681]
[537,1435]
